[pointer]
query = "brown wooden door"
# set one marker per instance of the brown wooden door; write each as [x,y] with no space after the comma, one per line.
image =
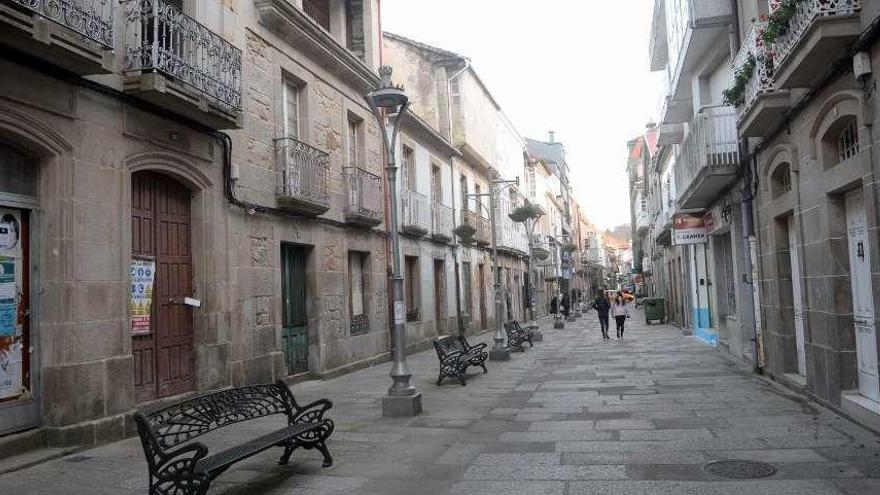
[440,295]
[160,230]
[481,273]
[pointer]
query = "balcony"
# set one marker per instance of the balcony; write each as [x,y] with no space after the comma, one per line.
[670,133]
[482,236]
[364,197]
[695,29]
[709,158]
[302,177]
[643,221]
[510,240]
[441,222]
[179,64]
[762,103]
[414,213]
[817,33]
[290,22]
[77,36]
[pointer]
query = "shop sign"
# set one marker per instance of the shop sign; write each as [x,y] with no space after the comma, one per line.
[143,272]
[688,228]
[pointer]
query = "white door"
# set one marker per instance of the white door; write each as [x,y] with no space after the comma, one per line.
[863,303]
[797,296]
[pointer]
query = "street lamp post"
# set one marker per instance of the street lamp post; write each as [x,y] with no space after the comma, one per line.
[389,103]
[498,352]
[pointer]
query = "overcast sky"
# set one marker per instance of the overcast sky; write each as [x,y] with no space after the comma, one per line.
[579,68]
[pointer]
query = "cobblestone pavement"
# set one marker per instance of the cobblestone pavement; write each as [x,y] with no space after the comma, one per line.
[572,416]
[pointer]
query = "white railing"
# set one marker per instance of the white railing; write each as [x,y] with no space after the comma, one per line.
[90,18]
[762,77]
[711,143]
[441,221]
[159,38]
[303,171]
[414,211]
[806,13]
[364,194]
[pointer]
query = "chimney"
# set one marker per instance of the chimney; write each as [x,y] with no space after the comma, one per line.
[551,137]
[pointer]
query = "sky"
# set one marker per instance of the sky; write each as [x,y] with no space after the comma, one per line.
[579,68]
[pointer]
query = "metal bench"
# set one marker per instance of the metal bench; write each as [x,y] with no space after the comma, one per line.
[456,354]
[516,336]
[178,466]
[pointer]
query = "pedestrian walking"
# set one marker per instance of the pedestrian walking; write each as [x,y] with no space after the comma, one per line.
[602,306]
[554,305]
[566,304]
[620,312]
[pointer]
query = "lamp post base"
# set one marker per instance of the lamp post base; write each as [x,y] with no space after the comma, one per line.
[537,335]
[401,406]
[557,324]
[501,354]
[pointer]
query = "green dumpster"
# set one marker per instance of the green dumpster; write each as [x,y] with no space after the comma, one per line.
[655,309]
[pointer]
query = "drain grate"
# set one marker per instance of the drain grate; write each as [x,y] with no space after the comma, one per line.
[740,469]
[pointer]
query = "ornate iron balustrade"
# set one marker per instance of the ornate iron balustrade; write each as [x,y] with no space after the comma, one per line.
[90,18]
[364,196]
[806,13]
[414,212]
[303,173]
[762,78]
[159,38]
[711,143]
[441,221]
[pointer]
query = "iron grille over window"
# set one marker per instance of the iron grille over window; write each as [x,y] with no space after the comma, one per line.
[848,142]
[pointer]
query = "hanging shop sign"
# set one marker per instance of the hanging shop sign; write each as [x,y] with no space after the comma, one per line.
[688,228]
[143,273]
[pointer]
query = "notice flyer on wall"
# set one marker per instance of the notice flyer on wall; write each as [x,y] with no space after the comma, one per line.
[8,293]
[143,273]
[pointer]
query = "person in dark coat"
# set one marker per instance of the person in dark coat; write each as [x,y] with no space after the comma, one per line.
[554,305]
[566,304]
[602,307]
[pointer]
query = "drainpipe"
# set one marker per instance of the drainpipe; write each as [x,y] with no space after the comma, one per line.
[746,210]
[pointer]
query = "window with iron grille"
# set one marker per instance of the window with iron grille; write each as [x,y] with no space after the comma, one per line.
[319,11]
[780,181]
[411,288]
[848,141]
[358,271]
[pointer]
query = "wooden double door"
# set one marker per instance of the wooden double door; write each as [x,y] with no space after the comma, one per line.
[160,236]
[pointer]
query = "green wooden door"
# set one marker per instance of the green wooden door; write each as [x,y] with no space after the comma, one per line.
[294,333]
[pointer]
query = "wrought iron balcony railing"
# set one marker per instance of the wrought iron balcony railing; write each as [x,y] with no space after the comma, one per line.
[711,146]
[364,206]
[90,18]
[441,222]
[806,13]
[754,48]
[414,212]
[303,173]
[160,38]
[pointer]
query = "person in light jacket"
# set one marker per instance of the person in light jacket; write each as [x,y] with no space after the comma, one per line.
[620,312]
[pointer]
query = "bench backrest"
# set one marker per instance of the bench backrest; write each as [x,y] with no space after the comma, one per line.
[181,422]
[446,345]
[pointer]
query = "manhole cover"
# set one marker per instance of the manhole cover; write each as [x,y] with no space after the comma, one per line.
[740,469]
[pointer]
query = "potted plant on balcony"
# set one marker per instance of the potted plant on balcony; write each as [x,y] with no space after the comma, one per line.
[569,247]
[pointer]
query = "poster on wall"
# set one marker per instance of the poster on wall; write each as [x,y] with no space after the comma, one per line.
[143,272]
[8,298]
[688,228]
[10,368]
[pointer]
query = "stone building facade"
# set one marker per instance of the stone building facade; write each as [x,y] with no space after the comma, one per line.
[810,125]
[173,232]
